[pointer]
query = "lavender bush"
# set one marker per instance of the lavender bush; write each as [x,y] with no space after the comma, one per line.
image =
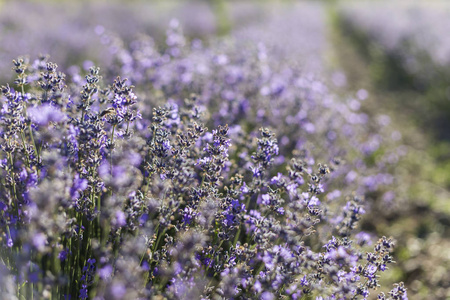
[94,203]
[255,89]
[117,189]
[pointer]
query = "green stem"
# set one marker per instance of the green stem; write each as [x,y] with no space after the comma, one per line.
[155,246]
[214,253]
[236,238]
[36,152]
[13,191]
[112,141]
[22,136]
[128,122]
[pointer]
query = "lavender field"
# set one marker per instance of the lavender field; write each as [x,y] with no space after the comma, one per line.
[224,150]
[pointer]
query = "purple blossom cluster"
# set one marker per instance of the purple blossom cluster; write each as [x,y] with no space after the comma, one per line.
[115,188]
[255,90]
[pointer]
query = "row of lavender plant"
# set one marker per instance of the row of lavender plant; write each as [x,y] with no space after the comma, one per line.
[255,89]
[408,49]
[409,35]
[114,191]
[71,28]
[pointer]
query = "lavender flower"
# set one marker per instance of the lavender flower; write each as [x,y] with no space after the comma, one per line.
[120,191]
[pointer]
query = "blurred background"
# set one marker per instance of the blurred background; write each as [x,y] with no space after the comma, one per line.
[397,52]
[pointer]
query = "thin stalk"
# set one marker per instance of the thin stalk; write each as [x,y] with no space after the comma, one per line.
[36,152]
[128,122]
[155,246]
[44,97]
[214,253]
[236,238]
[31,286]
[22,136]
[14,190]
[112,141]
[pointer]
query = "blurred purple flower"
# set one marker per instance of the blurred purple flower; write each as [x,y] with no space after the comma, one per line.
[39,241]
[121,219]
[46,113]
[105,272]
[79,185]
[267,296]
